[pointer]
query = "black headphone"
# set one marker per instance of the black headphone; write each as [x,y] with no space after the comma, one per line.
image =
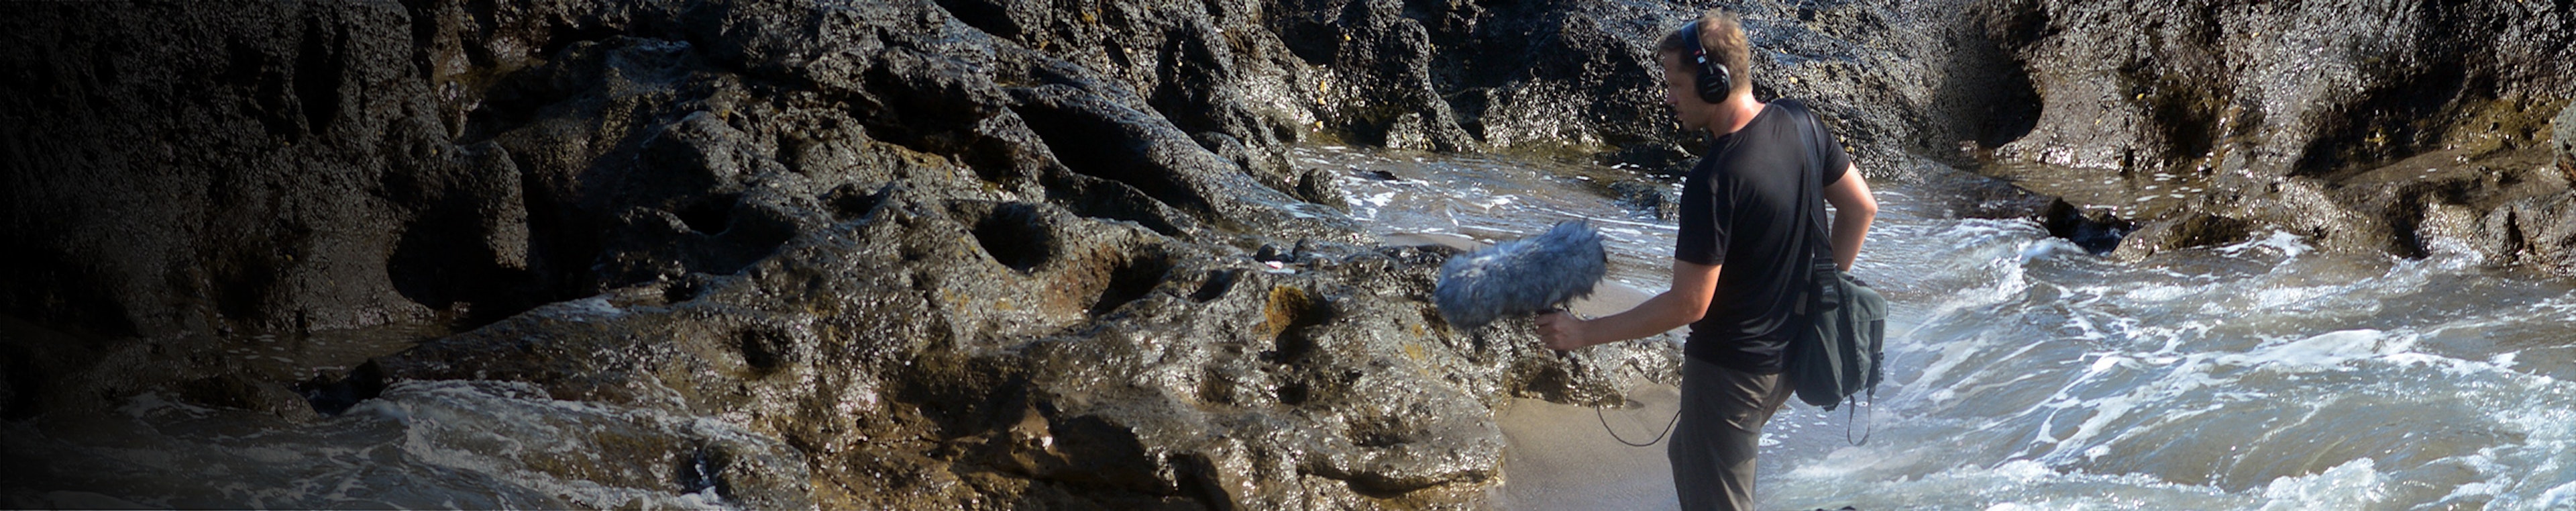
[1713,79]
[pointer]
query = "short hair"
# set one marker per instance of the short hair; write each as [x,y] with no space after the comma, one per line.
[1722,35]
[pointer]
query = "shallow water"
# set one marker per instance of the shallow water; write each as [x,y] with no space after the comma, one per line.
[2027,374]
[444,444]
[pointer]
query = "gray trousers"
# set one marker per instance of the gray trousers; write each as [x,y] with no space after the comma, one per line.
[1720,429]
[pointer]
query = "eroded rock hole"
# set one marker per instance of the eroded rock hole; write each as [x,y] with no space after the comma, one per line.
[1105,199]
[1986,91]
[563,36]
[244,281]
[1291,314]
[710,215]
[319,62]
[1014,236]
[765,349]
[1093,138]
[1218,283]
[1131,280]
[1216,390]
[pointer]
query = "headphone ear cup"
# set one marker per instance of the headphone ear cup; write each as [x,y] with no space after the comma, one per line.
[1715,82]
[1713,79]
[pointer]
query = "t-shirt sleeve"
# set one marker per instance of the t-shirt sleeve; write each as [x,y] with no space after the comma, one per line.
[1703,224]
[1836,160]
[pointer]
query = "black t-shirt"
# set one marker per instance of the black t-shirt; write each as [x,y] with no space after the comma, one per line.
[1739,209]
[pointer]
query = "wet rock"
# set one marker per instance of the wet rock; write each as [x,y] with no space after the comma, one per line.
[592,454]
[1646,197]
[2537,231]
[917,255]
[1976,196]
[2097,231]
[2367,135]
[1667,160]
[2197,230]
[236,391]
[2563,135]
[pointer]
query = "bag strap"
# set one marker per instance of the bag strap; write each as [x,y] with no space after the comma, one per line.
[1820,248]
[1811,186]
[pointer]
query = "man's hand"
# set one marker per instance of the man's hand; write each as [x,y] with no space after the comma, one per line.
[1561,331]
[1693,284]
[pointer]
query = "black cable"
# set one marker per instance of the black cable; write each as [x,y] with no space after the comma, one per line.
[1614,434]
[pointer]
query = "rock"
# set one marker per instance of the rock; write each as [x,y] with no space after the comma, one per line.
[2539,231]
[919,255]
[2196,230]
[473,165]
[2563,133]
[1106,363]
[970,253]
[2293,118]
[237,391]
[1646,197]
[1665,159]
[2097,231]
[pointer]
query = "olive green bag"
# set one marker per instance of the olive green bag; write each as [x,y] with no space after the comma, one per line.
[1842,328]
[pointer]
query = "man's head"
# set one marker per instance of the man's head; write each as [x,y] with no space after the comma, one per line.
[1718,36]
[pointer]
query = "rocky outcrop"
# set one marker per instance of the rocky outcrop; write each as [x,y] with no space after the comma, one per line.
[951,254]
[2539,230]
[983,254]
[2400,127]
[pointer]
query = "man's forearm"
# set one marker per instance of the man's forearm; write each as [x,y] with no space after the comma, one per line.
[1850,229]
[1657,315]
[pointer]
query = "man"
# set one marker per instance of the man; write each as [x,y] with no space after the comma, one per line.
[1735,259]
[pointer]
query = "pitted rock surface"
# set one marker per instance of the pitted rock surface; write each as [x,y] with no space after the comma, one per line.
[977,254]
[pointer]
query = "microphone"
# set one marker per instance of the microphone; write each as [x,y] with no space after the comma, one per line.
[1520,277]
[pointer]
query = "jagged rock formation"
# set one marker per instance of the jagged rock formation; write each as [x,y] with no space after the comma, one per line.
[2413,128]
[953,255]
[1001,254]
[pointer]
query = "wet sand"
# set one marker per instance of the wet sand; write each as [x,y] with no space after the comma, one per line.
[1558,456]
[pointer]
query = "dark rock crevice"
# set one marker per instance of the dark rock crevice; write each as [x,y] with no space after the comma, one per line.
[1064,117]
[1131,280]
[1013,234]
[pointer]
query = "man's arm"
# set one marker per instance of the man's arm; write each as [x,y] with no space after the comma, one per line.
[1853,210]
[1693,285]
